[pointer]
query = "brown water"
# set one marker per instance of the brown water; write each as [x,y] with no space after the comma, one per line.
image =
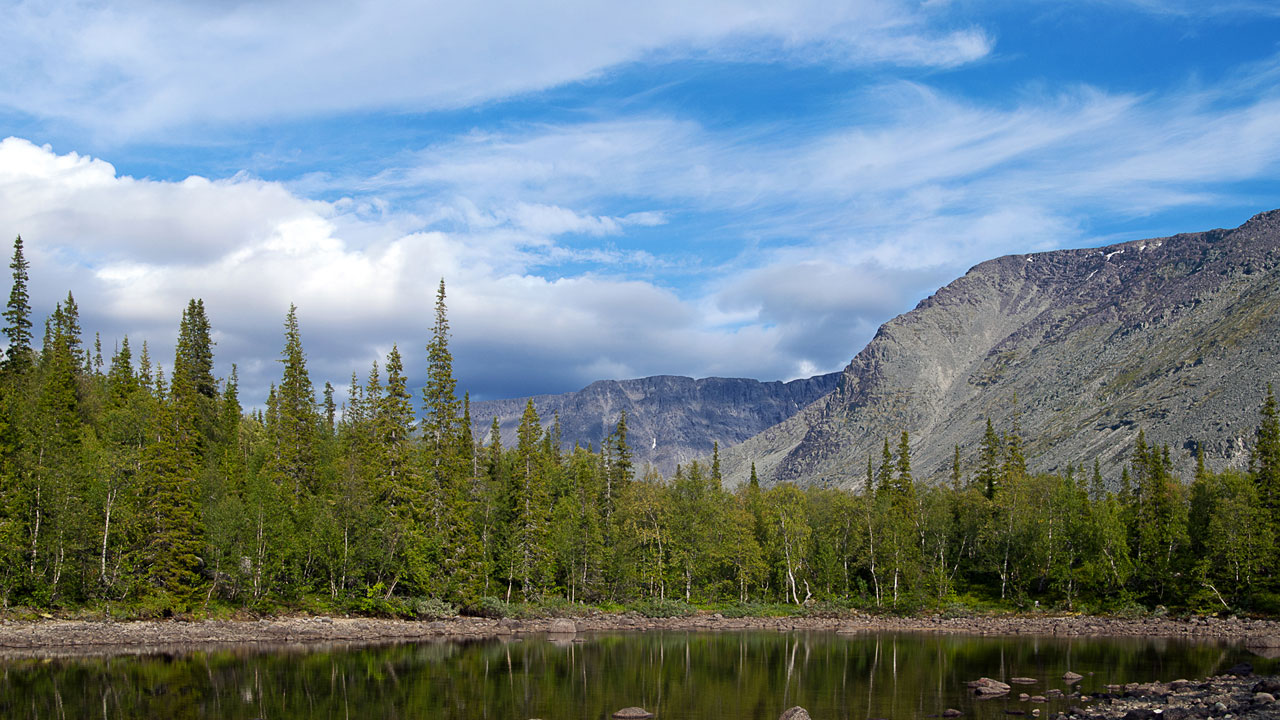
[678,675]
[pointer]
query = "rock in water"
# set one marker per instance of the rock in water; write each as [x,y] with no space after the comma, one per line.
[951,712]
[1071,678]
[988,688]
[562,626]
[1268,646]
[1023,681]
[795,713]
[632,713]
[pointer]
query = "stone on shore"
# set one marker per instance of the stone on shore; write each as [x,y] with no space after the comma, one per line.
[1267,685]
[794,713]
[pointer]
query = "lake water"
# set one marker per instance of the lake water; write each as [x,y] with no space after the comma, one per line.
[678,675]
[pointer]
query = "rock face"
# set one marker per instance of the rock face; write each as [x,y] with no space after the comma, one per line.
[1079,349]
[670,419]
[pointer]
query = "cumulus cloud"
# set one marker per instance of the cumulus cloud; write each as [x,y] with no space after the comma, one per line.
[134,67]
[514,329]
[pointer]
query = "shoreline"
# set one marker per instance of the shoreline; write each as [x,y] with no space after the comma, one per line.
[76,637]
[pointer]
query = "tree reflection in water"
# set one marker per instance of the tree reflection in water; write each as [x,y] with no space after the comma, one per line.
[747,675]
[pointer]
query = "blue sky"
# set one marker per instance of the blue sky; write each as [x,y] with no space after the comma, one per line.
[731,188]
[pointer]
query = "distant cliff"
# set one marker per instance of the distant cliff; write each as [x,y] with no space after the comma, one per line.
[670,419]
[1078,349]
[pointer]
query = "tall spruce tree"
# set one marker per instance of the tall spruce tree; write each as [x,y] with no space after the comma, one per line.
[989,453]
[195,391]
[1265,460]
[532,507]
[292,420]
[17,314]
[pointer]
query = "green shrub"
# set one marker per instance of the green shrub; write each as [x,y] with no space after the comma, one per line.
[432,609]
[663,608]
[491,607]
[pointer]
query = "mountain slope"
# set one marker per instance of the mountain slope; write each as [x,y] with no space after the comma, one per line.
[1077,348]
[669,419]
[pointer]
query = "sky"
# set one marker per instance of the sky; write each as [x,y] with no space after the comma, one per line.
[735,188]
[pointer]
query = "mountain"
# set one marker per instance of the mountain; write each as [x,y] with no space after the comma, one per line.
[1078,349]
[669,419]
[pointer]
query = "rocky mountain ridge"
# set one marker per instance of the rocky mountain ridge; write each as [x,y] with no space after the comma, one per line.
[670,419]
[1077,349]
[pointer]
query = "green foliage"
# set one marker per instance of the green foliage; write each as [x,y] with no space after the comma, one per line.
[658,608]
[490,607]
[432,609]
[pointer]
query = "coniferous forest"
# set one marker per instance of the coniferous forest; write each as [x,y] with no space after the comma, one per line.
[128,489]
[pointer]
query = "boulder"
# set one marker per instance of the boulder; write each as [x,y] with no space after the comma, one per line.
[987,688]
[562,626]
[632,713]
[1267,685]
[794,713]
[1241,670]
[1264,698]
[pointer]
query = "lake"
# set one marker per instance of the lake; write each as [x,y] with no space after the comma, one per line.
[678,675]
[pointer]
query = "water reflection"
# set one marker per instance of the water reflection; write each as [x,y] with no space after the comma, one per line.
[680,676]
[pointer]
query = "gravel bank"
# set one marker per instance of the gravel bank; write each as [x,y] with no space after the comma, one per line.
[72,636]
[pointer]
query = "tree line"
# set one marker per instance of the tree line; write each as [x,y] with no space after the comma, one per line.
[123,484]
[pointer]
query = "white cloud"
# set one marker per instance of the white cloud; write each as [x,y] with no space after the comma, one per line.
[133,67]
[513,327]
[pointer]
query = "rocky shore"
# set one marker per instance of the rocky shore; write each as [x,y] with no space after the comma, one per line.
[1239,695]
[58,637]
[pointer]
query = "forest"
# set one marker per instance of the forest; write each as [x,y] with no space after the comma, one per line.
[132,491]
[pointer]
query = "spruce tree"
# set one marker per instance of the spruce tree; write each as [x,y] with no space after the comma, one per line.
[529,526]
[884,475]
[439,396]
[174,527]
[17,315]
[193,355]
[989,453]
[292,418]
[1265,461]
[194,389]
[903,479]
